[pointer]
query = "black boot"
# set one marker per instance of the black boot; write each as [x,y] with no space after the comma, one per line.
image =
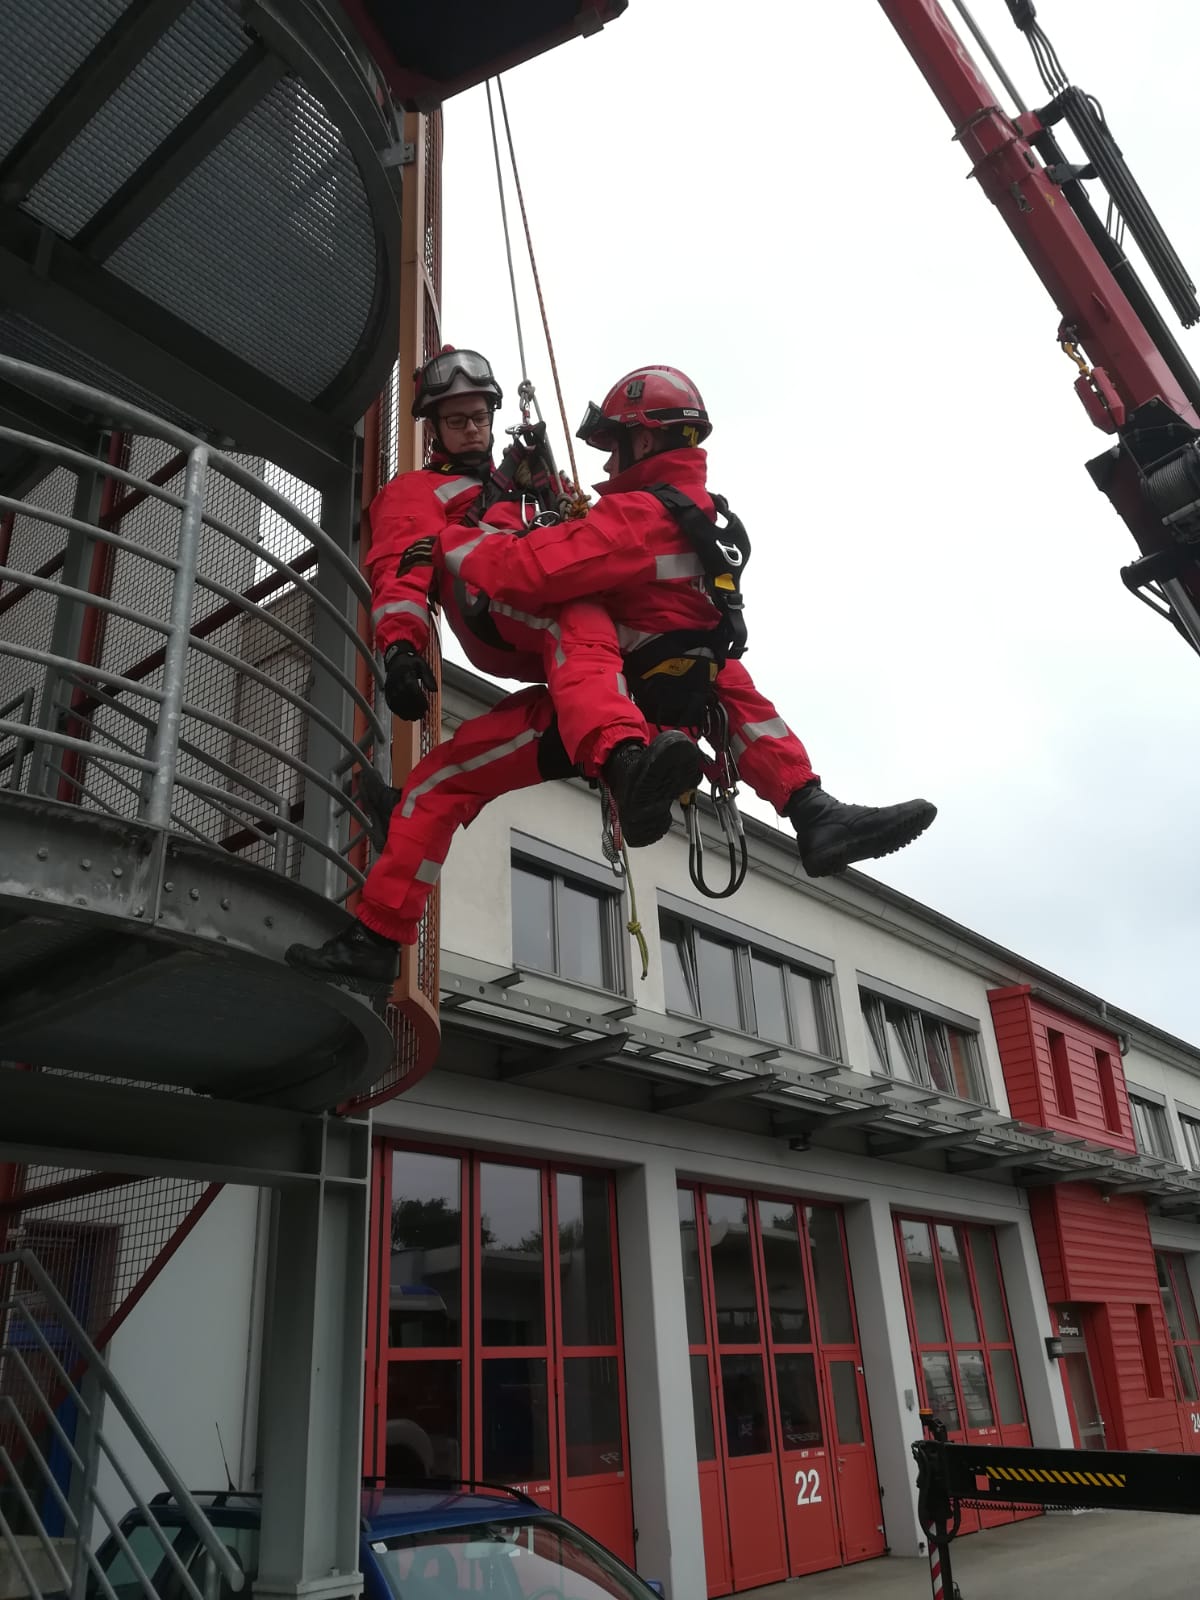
[646,780]
[363,958]
[831,835]
[378,800]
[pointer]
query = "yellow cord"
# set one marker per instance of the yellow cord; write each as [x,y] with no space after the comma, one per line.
[634,925]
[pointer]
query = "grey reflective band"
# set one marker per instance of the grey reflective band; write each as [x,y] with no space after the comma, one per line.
[456,558]
[681,566]
[449,487]
[629,638]
[498,608]
[471,765]
[428,872]
[772,728]
[398,608]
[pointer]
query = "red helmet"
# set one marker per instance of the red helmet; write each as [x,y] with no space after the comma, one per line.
[453,372]
[648,397]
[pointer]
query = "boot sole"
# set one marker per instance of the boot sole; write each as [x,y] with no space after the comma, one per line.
[359,983]
[676,770]
[899,833]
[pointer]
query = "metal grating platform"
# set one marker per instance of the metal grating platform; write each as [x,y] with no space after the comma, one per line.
[199,207]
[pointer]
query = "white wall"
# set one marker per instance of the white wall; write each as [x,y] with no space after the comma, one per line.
[186,1353]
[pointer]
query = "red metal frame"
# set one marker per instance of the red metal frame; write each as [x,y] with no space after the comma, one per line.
[599,1501]
[1128,369]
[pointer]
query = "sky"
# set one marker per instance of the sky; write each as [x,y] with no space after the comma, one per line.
[767,195]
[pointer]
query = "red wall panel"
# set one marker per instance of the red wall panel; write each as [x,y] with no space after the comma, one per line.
[1022,1025]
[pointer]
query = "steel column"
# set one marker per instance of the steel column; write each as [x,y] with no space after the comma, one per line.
[311,1405]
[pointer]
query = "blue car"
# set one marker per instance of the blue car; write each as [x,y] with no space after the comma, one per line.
[432,1542]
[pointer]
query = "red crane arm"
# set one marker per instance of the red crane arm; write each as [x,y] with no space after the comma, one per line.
[1131,388]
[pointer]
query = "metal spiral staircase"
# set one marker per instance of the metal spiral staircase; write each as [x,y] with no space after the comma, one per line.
[206,276]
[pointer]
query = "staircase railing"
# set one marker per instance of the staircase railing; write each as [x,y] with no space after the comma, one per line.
[56,1397]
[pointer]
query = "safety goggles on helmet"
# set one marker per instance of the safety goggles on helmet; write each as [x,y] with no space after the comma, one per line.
[602,431]
[596,429]
[457,372]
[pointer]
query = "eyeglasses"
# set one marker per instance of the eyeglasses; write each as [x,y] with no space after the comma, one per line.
[460,421]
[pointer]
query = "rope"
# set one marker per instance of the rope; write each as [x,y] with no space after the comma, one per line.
[512,276]
[634,925]
[537,283]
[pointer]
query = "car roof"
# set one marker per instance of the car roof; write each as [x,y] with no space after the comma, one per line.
[389,1513]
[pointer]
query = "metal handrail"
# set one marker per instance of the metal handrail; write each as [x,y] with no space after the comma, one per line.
[87,1383]
[109,727]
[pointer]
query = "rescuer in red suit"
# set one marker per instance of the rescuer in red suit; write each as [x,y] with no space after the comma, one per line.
[458,394]
[631,553]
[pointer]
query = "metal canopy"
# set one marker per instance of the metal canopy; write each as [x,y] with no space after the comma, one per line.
[425,61]
[199,212]
[562,1026]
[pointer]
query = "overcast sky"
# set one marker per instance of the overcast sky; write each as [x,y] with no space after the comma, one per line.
[767,195]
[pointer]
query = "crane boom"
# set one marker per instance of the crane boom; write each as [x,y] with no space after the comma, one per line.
[1132,378]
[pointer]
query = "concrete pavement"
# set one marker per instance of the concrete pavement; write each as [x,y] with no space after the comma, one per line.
[1103,1555]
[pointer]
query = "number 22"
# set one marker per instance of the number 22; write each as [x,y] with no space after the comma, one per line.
[808,1485]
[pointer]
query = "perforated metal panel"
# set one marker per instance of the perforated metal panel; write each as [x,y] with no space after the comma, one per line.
[46,43]
[268,246]
[29,342]
[157,95]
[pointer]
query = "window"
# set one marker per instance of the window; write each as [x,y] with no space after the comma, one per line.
[963,1348]
[736,985]
[1191,1139]
[566,926]
[1183,1325]
[1109,1092]
[1060,1066]
[919,1048]
[1150,1128]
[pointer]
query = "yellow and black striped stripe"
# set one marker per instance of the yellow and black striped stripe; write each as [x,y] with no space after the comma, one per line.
[1095,1480]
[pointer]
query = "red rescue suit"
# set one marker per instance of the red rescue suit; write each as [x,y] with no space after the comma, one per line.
[629,557]
[628,554]
[503,640]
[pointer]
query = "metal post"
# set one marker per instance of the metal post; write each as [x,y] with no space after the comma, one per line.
[939,1517]
[311,1397]
[156,809]
[333,637]
[83,1481]
[66,633]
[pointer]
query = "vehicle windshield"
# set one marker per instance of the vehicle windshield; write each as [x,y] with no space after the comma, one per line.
[539,1558]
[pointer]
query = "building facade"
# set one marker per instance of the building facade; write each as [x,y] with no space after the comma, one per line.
[685,1254]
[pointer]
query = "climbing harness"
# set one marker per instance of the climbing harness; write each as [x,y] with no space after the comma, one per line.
[723,793]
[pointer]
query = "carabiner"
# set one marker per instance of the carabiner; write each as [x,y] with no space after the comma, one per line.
[725,804]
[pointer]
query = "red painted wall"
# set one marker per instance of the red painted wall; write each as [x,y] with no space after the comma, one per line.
[1094,1248]
[1022,1027]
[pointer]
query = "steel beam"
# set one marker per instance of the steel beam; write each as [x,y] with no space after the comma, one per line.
[76,1122]
[584,1053]
[711,1094]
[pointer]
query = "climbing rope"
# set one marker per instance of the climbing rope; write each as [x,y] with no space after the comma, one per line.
[537,282]
[616,853]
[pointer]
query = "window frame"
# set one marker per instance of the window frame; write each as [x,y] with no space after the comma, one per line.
[1189,1127]
[561,867]
[1174,1264]
[1157,1117]
[746,942]
[874,1000]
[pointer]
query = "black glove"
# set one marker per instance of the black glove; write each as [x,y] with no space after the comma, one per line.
[408,681]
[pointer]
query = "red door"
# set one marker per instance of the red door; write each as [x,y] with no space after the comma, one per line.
[744,1427]
[787,1477]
